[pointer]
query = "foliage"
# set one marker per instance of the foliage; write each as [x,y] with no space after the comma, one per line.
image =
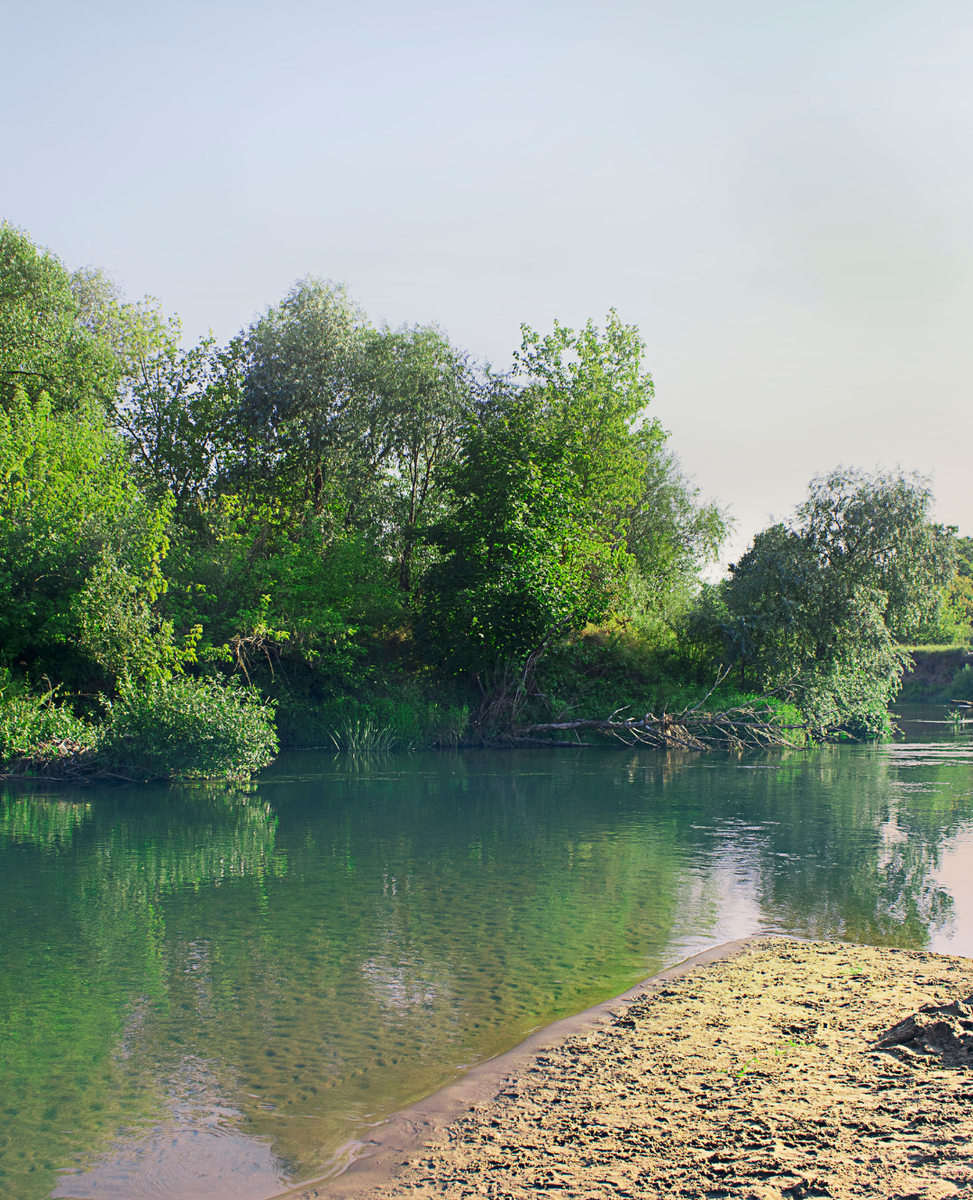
[593,392]
[536,545]
[362,737]
[35,726]
[931,673]
[814,609]
[69,509]
[610,668]
[874,531]
[165,728]
[671,536]
[304,438]
[420,389]
[46,345]
[270,597]
[961,687]
[952,624]
[178,412]
[385,538]
[413,719]
[116,624]
[189,728]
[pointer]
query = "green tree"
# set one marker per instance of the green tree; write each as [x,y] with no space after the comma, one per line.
[179,413]
[960,596]
[47,343]
[592,393]
[815,609]
[952,624]
[71,520]
[305,439]
[274,598]
[671,537]
[550,465]
[421,389]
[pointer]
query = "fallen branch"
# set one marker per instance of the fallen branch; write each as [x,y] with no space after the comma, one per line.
[690,729]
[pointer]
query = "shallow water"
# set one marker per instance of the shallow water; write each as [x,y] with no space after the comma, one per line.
[212,993]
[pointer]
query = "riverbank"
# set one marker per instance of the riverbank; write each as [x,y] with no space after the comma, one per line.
[755,1075]
[938,675]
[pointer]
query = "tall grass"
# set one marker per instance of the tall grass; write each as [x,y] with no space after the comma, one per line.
[362,737]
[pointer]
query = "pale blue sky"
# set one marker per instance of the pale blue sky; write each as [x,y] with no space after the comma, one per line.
[779,194]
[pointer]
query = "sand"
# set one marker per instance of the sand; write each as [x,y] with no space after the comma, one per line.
[760,1075]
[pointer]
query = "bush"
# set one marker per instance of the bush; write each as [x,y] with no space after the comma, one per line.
[961,687]
[35,727]
[190,728]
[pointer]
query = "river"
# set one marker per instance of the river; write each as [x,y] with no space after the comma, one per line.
[208,992]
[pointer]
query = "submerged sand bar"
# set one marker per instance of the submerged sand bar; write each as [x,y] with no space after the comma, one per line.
[755,1075]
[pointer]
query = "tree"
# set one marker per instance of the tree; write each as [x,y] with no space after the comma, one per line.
[550,463]
[671,537]
[422,391]
[305,438]
[874,531]
[959,599]
[47,344]
[271,597]
[952,624]
[179,413]
[80,546]
[592,393]
[814,609]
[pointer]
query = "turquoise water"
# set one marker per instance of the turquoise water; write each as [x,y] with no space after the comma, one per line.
[214,993]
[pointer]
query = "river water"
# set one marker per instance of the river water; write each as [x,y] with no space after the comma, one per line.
[213,993]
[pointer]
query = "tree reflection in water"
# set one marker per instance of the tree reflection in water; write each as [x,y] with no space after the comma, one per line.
[277,970]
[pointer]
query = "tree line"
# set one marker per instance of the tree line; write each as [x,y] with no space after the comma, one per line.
[344,528]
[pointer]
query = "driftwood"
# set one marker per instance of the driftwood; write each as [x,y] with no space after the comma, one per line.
[692,728]
[734,729]
[519,741]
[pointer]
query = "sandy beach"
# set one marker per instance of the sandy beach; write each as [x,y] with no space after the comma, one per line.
[784,1070]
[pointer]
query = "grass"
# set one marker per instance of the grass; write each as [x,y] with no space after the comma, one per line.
[946,647]
[362,737]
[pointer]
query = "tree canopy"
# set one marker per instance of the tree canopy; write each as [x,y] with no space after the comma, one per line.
[816,608]
[553,459]
[46,343]
[352,518]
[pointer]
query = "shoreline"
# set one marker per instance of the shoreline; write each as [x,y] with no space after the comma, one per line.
[373,1163]
[751,1069]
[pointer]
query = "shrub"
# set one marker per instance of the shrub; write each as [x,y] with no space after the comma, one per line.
[961,687]
[190,728]
[34,727]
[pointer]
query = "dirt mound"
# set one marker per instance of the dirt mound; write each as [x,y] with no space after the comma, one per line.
[936,1031]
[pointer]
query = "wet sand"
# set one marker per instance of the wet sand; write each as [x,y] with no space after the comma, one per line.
[756,1075]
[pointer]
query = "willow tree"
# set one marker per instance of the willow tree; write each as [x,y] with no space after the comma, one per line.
[420,390]
[815,608]
[303,437]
